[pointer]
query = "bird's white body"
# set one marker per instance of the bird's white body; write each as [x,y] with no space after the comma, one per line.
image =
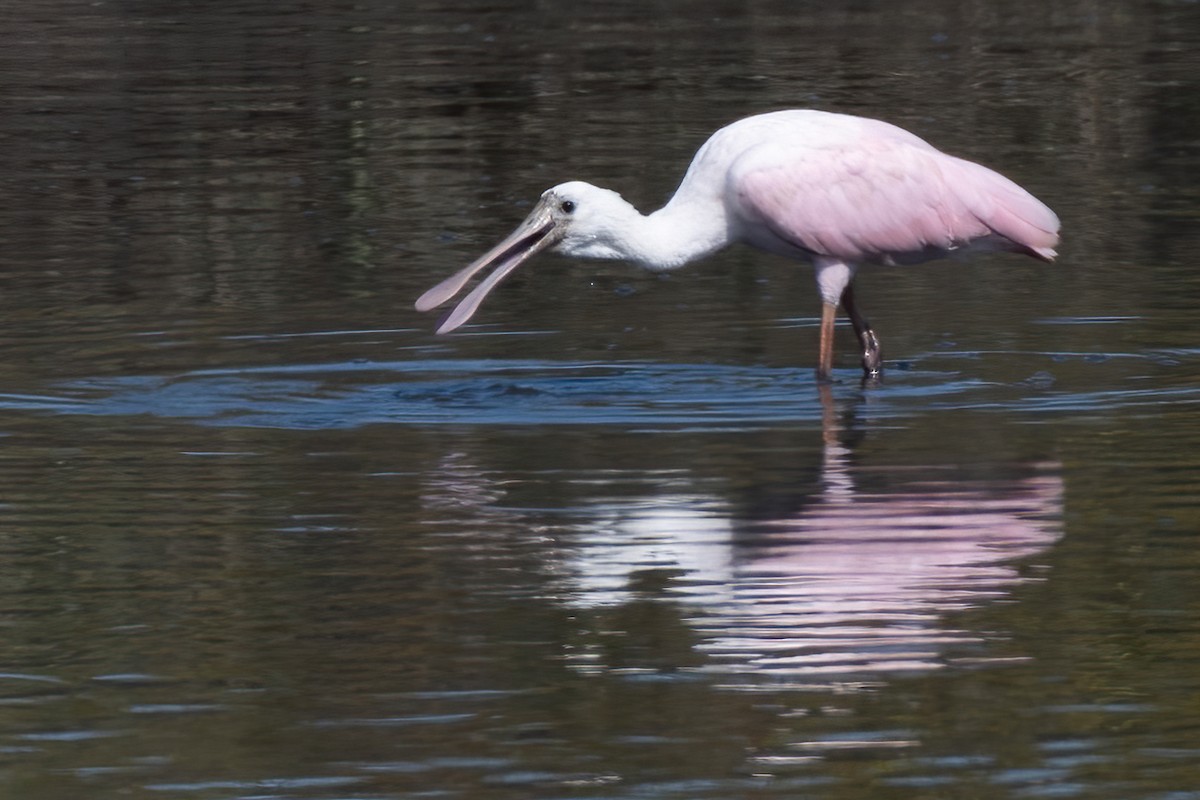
[832,189]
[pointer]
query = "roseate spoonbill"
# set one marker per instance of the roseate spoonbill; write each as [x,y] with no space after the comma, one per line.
[833,189]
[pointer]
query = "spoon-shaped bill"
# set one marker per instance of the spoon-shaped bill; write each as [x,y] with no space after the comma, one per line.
[532,236]
[470,304]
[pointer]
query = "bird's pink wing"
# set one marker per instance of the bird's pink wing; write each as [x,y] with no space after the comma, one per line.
[887,199]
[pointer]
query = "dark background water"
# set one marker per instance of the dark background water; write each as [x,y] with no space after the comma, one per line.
[265,535]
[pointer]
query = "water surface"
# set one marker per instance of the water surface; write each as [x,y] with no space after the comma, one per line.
[265,535]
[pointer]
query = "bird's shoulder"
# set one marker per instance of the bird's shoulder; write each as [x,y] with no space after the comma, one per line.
[826,147]
[853,189]
[857,188]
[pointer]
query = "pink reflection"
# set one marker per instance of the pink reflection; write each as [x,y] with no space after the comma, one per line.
[852,582]
[864,580]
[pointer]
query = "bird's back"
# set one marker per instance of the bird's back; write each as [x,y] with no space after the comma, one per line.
[817,183]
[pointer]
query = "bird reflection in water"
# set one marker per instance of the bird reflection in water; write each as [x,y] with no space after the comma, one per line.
[850,582]
[854,581]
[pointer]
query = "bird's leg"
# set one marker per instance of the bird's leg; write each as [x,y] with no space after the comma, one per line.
[825,355]
[872,355]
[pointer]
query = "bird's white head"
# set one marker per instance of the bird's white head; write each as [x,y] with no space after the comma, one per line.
[591,222]
[574,218]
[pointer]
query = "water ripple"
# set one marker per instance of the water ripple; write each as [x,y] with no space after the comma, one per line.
[536,392]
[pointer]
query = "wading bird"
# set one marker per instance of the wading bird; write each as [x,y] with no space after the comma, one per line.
[833,189]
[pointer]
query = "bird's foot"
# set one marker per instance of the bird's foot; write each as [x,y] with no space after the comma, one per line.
[872,359]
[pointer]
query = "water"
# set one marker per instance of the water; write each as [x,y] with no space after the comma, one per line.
[264,535]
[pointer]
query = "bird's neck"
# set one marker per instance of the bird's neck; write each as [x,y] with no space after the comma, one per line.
[675,235]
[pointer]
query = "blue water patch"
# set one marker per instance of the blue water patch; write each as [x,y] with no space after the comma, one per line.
[466,392]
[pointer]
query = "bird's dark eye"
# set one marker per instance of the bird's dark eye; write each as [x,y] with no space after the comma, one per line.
[568,206]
